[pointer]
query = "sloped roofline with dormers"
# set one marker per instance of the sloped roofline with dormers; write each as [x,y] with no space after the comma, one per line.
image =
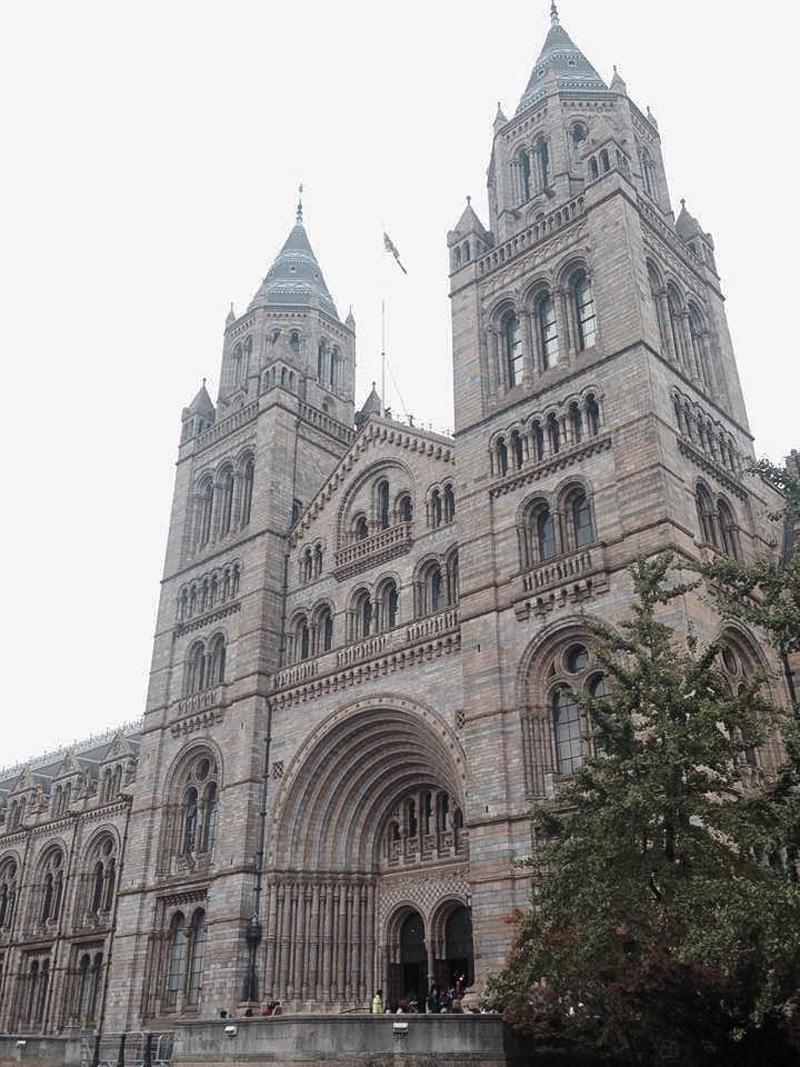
[375,432]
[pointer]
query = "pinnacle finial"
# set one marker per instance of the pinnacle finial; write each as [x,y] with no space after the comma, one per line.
[469,200]
[204,383]
[300,203]
[554,13]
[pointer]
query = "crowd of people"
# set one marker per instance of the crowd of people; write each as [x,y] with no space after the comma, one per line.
[441,1000]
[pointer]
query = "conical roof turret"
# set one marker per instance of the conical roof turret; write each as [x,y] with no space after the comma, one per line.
[561,57]
[201,405]
[295,278]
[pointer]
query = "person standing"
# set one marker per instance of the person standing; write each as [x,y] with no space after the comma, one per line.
[377,1003]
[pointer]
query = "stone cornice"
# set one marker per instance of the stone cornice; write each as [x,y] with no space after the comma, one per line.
[725,478]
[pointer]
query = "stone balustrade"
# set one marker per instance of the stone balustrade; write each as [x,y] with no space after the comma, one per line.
[534,234]
[380,547]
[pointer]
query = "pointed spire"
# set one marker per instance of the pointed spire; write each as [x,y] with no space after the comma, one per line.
[295,277]
[686,225]
[500,119]
[617,83]
[300,205]
[350,320]
[560,64]
[231,316]
[201,404]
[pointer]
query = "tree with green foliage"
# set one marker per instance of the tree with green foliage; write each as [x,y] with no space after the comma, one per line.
[766,592]
[659,933]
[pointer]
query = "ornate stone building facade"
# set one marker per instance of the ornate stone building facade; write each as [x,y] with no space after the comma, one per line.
[370,636]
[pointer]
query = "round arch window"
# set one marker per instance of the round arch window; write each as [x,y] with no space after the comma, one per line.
[577,659]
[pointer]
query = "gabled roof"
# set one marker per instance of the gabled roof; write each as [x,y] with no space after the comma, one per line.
[295,278]
[375,431]
[561,57]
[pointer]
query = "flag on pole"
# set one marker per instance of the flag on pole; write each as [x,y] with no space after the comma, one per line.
[388,245]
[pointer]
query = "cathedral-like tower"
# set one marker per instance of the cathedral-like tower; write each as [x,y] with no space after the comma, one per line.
[599,418]
[246,468]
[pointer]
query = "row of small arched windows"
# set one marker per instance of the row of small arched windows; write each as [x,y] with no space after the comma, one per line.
[185,958]
[434,589]
[207,592]
[543,438]
[97,883]
[702,431]
[441,505]
[383,514]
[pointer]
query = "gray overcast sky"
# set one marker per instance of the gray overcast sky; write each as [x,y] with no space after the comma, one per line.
[151,157]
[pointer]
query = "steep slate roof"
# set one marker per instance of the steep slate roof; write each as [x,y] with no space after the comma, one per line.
[686,225]
[295,276]
[560,55]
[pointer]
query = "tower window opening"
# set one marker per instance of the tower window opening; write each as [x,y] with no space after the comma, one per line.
[548,327]
[512,339]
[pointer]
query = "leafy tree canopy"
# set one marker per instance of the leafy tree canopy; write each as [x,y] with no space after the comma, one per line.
[665,923]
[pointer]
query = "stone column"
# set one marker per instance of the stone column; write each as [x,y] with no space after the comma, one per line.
[528,362]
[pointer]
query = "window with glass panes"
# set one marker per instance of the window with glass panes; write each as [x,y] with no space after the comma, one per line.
[584,306]
[549,332]
[567,722]
[513,346]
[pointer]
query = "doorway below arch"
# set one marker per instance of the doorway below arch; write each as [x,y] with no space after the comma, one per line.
[409,974]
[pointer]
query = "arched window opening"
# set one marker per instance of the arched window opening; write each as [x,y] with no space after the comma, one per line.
[524,165]
[294,342]
[436,509]
[226,488]
[317,561]
[302,640]
[728,533]
[567,723]
[545,533]
[411,818]
[594,170]
[325,630]
[675,312]
[216,661]
[98,884]
[197,947]
[405,508]
[362,616]
[206,507]
[697,334]
[456,258]
[361,528]
[579,134]
[548,331]
[516,448]
[334,369]
[537,441]
[593,415]
[177,959]
[502,457]
[308,565]
[436,590]
[580,520]
[449,502]
[706,517]
[389,605]
[196,675]
[584,311]
[8,893]
[321,362]
[512,342]
[210,812]
[542,162]
[604,161]
[189,842]
[452,579]
[553,433]
[467,252]
[383,503]
[576,423]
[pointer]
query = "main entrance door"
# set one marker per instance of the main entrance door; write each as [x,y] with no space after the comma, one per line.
[458,948]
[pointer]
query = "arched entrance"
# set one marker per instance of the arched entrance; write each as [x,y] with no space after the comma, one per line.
[413,970]
[453,953]
[367,820]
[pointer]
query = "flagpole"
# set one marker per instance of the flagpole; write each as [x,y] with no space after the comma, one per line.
[388,246]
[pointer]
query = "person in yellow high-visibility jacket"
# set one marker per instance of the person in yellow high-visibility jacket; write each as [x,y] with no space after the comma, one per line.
[377,1003]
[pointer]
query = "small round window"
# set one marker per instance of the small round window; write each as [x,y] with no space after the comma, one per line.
[203,767]
[577,659]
